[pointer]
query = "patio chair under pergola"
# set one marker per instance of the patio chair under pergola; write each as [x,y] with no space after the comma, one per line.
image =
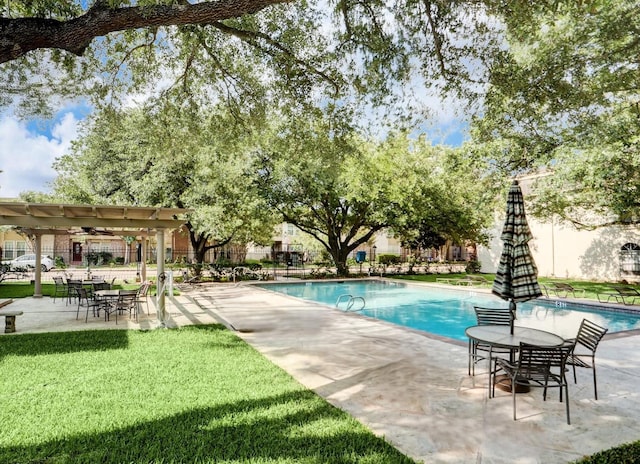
[38,219]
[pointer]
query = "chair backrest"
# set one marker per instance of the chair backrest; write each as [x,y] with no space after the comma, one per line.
[493,316]
[534,359]
[144,289]
[101,286]
[590,334]
[58,280]
[127,298]
[82,293]
[75,284]
[563,286]
[625,291]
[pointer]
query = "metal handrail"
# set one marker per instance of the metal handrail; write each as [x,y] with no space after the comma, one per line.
[345,297]
[353,300]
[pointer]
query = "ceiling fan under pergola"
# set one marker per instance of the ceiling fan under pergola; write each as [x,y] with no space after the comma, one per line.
[90,231]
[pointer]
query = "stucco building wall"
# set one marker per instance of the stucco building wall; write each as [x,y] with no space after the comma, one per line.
[560,250]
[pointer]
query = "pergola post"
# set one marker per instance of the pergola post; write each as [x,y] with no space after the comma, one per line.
[143,257]
[162,312]
[37,290]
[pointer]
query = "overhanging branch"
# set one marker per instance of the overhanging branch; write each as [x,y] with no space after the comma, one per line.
[18,36]
[253,38]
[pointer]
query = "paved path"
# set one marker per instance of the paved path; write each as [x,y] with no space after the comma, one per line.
[406,386]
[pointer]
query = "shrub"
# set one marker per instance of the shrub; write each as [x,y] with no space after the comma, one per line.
[627,453]
[473,267]
[389,259]
[223,262]
[99,257]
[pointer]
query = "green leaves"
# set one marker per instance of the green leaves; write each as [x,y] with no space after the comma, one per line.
[324,177]
[173,159]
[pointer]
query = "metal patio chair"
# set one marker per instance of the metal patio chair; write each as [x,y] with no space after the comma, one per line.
[584,349]
[479,351]
[538,366]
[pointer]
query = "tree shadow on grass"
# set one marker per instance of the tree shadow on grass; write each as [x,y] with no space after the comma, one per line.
[294,427]
[90,340]
[63,342]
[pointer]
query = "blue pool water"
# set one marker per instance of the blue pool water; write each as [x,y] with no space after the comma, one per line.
[447,312]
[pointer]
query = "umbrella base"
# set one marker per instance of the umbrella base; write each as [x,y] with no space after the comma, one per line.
[503,382]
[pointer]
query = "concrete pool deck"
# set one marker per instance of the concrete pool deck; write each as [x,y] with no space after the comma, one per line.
[407,386]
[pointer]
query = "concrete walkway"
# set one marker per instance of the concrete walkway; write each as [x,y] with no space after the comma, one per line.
[409,387]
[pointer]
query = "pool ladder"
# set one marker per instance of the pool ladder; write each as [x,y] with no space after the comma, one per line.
[351,301]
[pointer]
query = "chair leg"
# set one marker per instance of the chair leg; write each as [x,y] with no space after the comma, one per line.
[513,395]
[566,386]
[471,354]
[595,383]
[492,375]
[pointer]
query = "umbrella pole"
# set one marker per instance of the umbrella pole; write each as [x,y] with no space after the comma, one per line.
[512,308]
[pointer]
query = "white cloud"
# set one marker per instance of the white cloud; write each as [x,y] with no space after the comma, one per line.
[26,156]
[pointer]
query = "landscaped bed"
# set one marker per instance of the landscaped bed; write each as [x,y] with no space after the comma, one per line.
[194,394]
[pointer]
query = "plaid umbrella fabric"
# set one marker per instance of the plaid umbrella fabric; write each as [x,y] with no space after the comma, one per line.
[517,275]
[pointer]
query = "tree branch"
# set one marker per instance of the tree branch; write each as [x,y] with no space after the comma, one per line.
[253,37]
[18,36]
[437,40]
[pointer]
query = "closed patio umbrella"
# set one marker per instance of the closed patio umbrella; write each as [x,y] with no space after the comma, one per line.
[517,276]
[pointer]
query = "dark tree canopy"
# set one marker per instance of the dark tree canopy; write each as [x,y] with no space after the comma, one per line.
[252,54]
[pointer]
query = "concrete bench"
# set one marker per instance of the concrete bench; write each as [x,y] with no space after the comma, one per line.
[9,317]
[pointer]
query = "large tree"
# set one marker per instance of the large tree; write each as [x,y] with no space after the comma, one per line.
[329,181]
[565,102]
[571,71]
[301,49]
[171,159]
[457,198]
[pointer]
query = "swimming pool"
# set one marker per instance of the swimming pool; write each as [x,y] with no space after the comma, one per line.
[447,312]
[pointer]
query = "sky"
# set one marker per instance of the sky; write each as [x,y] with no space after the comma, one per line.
[29,148]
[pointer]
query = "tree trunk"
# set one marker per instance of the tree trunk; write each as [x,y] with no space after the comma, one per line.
[340,260]
[199,244]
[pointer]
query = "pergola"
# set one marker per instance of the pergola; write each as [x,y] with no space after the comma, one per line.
[38,219]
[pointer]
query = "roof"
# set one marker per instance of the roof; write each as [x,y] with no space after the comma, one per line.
[52,215]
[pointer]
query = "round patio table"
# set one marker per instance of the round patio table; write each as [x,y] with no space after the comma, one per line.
[500,336]
[108,293]
[108,296]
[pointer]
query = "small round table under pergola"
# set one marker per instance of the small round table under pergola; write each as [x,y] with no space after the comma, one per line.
[38,219]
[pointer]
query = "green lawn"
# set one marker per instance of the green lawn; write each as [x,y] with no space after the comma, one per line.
[591,288]
[197,394]
[25,289]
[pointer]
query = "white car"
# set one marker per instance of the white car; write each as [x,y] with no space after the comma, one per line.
[29,261]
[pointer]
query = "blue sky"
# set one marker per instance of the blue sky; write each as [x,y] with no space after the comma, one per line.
[29,148]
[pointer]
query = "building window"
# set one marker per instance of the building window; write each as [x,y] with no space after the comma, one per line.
[630,258]
[13,248]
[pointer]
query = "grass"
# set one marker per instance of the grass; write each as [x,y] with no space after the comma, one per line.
[194,394]
[23,289]
[591,288]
